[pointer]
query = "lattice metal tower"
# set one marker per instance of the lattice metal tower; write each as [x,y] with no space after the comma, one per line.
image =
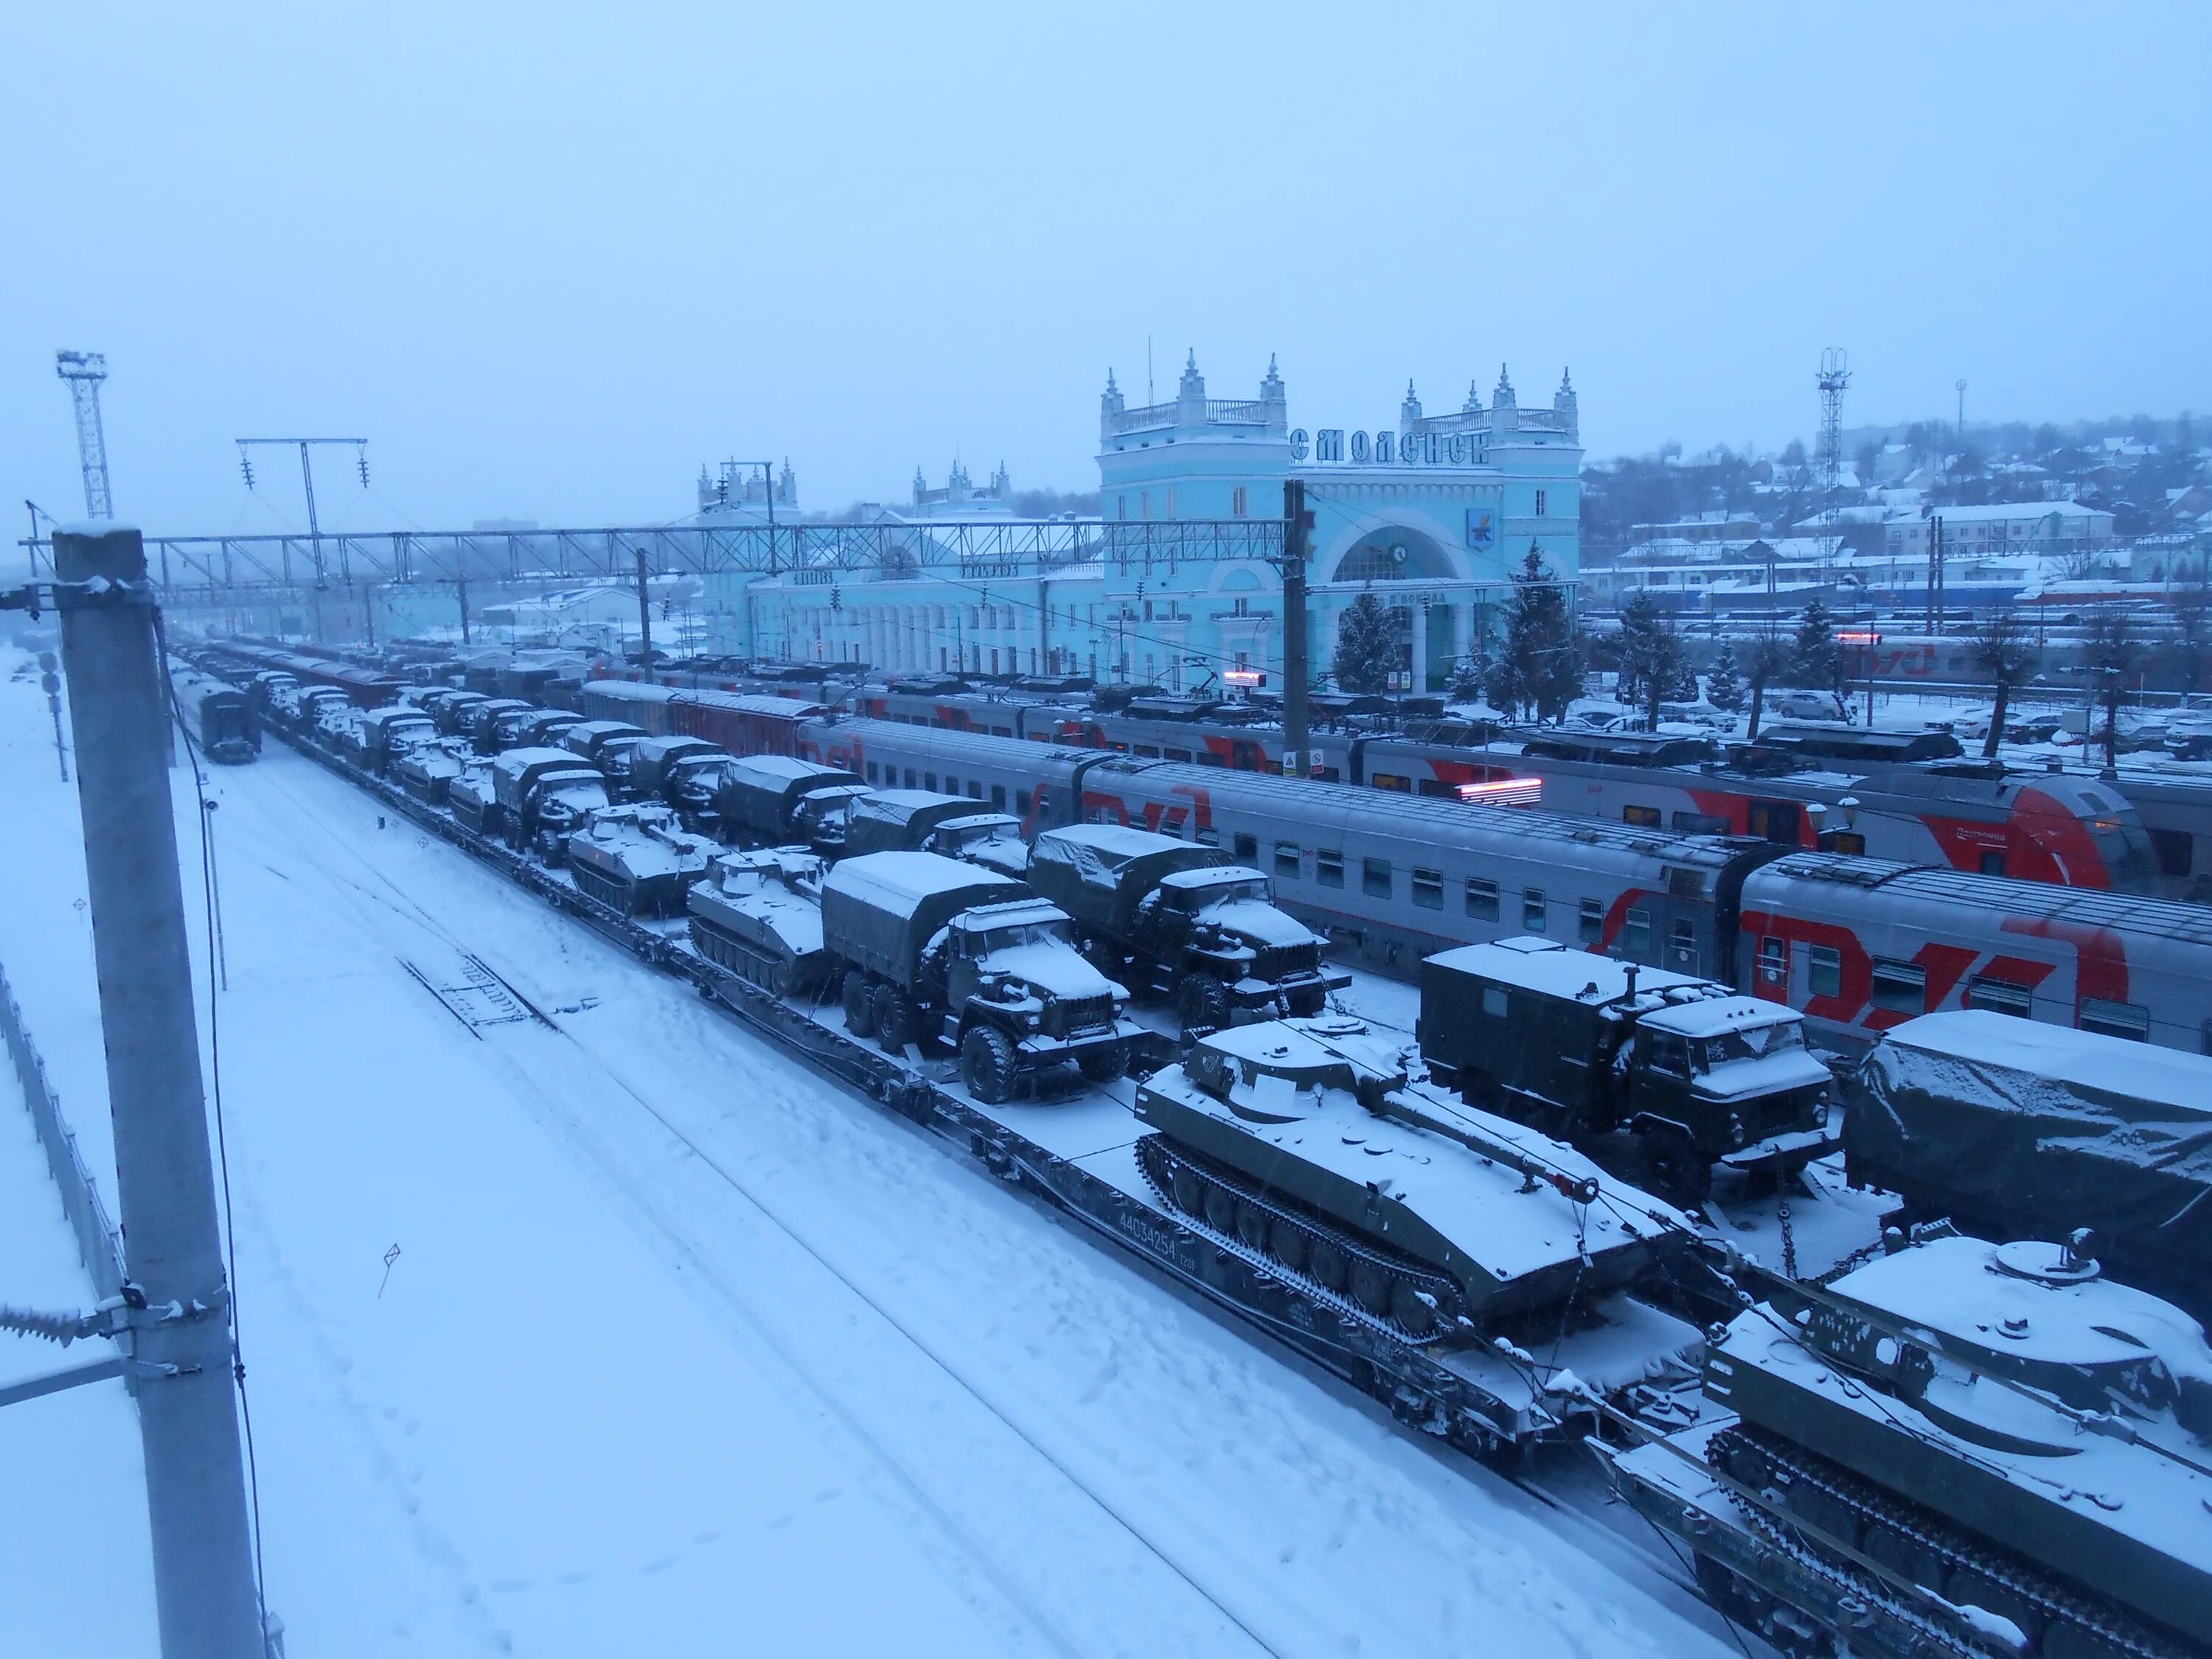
[1835,374]
[84,371]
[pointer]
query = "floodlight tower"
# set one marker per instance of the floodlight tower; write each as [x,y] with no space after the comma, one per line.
[1834,375]
[84,371]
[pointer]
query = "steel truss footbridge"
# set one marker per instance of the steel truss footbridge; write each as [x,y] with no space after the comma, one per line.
[202,571]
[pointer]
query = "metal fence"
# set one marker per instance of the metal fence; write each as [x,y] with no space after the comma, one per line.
[98,1241]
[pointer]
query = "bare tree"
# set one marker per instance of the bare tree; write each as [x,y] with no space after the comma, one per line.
[1769,659]
[2113,652]
[2191,603]
[2005,652]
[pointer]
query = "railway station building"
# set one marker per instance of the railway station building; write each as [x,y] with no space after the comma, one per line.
[1177,582]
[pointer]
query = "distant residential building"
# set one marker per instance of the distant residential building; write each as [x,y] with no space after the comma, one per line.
[1715,527]
[2025,527]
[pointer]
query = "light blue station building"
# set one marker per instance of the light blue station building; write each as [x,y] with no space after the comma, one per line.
[1176,583]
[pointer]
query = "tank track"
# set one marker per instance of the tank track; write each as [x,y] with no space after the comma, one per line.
[2093,1629]
[1159,1161]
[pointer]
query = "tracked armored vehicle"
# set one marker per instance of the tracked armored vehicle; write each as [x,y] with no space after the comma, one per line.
[1185,919]
[425,771]
[1311,1146]
[637,859]
[759,914]
[1960,1448]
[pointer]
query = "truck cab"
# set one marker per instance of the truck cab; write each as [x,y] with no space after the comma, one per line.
[1731,1076]
[993,840]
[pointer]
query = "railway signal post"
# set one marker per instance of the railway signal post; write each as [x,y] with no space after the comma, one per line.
[180,1329]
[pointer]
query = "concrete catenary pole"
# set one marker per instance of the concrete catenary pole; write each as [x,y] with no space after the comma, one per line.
[644,622]
[1297,673]
[203,1585]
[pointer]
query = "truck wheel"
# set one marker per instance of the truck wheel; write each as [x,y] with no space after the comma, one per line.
[1674,1169]
[859,1004]
[1202,999]
[895,1020]
[986,1064]
[1305,1003]
[1104,1063]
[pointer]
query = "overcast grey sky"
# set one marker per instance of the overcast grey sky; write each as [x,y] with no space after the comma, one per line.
[550,258]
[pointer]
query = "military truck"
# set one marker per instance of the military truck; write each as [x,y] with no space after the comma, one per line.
[931,949]
[495,723]
[759,914]
[780,800]
[609,746]
[923,821]
[382,735]
[542,797]
[993,840]
[545,727]
[683,773]
[637,859]
[450,710]
[1185,919]
[1583,1047]
[1312,1146]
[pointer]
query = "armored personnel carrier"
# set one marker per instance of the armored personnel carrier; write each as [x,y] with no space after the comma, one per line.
[1310,1145]
[425,771]
[638,859]
[759,914]
[1960,1447]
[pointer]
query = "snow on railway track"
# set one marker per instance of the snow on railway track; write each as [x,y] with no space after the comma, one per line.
[1046,1450]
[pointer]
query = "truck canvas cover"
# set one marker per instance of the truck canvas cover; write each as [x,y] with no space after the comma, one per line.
[897,820]
[2033,1130]
[759,793]
[514,772]
[881,909]
[1099,872]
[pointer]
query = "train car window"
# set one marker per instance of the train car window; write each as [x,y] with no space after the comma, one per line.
[1593,921]
[2204,1038]
[2118,1019]
[1002,731]
[929,782]
[1900,987]
[1773,820]
[1992,863]
[1684,952]
[909,778]
[1482,899]
[871,771]
[1375,878]
[1773,961]
[1636,935]
[1824,966]
[1493,1002]
[974,789]
[1286,859]
[1429,889]
[1247,850]
[1328,868]
[1699,823]
[1532,910]
[1435,788]
[1147,752]
[998,798]
[2176,850]
[1208,836]
[2000,996]
[1645,818]
[1183,755]
[1245,757]
[1209,758]
[1848,841]
[1395,780]
[1326,775]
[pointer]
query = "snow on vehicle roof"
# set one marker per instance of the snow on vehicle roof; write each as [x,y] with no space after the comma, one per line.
[781,768]
[1212,876]
[515,760]
[2170,1077]
[901,880]
[1716,1016]
[633,689]
[1112,841]
[1012,912]
[978,820]
[1553,969]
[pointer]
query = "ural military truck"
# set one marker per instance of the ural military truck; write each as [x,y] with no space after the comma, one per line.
[683,773]
[778,799]
[450,709]
[2014,1128]
[759,914]
[929,949]
[1185,919]
[637,859]
[1311,1145]
[542,797]
[1583,1046]
[543,729]
[382,735]
[609,746]
[495,724]
[923,821]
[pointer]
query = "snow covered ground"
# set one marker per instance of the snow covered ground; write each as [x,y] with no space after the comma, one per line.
[686,1349]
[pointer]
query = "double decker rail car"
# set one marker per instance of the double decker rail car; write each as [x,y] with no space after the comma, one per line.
[2176,811]
[1856,944]
[2062,827]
